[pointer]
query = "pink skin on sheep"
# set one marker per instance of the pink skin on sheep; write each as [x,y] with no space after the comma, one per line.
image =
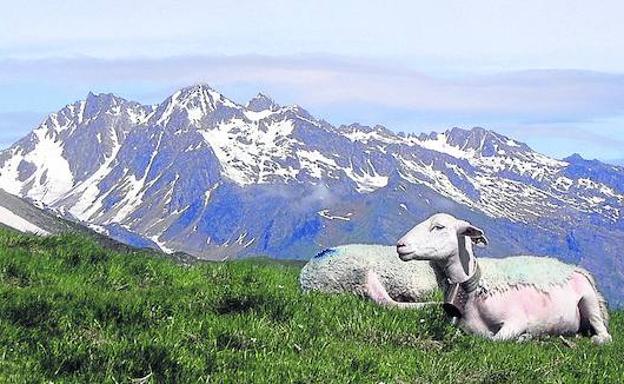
[529,311]
[514,313]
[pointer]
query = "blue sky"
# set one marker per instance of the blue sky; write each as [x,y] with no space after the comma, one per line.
[548,73]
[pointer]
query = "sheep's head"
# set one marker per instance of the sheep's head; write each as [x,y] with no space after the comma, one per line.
[437,238]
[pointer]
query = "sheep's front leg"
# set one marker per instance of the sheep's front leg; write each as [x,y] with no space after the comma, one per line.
[509,331]
[376,291]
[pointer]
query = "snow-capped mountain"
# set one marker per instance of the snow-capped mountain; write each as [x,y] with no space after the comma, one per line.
[202,174]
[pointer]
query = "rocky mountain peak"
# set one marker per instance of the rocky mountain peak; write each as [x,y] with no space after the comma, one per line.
[101,102]
[479,141]
[262,102]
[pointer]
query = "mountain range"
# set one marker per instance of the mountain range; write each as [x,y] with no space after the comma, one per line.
[202,174]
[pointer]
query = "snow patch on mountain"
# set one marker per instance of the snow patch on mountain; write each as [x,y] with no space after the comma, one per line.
[425,174]
[51,176]
[327,215]
[88,203]
[440,144]
[315,163]
[367,181]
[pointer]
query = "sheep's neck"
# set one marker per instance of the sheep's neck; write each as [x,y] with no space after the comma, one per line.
[460,266]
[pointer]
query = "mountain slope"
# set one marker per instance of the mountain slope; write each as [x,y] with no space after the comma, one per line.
[21,215]
[202,174]
[18,214]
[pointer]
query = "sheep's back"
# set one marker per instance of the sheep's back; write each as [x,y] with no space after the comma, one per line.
[543,273]
[344,268]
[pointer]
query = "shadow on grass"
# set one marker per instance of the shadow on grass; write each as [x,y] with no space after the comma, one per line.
[277,309]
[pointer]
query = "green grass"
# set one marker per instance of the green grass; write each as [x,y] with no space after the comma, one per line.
[71,311]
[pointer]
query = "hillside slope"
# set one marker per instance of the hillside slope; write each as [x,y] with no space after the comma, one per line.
[23,216]
[71,311]
[20,215]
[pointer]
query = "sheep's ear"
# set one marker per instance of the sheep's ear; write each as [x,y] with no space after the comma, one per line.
[476,234]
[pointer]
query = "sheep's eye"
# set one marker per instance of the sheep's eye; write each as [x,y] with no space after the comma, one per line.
[437,227]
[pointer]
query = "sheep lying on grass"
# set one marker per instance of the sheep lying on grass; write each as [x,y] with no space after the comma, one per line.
[373,271]
[509,298]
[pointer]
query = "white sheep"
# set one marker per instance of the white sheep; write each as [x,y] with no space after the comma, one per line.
[510,298]
[373,271]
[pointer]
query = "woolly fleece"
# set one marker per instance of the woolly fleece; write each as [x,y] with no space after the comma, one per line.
[344,268]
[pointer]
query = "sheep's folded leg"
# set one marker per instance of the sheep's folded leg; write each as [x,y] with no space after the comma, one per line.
[376,291]
[590,309]
[422,305]
[602,335]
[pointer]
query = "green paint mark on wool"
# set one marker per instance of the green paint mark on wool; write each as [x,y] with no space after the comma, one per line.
[540,272]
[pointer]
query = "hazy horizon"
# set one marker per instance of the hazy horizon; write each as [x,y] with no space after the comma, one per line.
[550,75]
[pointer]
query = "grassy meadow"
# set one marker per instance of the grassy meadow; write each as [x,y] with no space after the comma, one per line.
[74,312]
